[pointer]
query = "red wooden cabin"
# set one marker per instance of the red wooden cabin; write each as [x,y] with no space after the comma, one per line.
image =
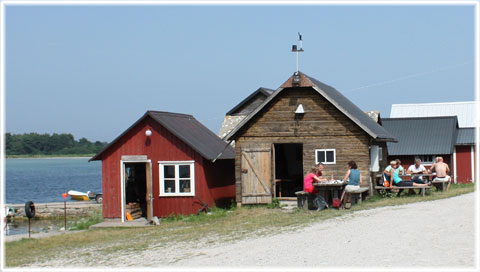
[167,163]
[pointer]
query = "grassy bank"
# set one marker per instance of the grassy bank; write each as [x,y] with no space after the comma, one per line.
[48,156]
[220,225]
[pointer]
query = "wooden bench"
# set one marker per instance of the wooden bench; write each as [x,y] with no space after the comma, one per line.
[357,195]
[400,189]
[441,183]
[304,200]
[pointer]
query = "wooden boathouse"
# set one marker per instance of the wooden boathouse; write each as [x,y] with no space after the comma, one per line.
[302,123]
[164,164]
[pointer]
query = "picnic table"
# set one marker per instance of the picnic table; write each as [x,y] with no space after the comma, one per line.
[335,187]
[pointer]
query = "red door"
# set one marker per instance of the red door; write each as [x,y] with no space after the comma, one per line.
[464,164]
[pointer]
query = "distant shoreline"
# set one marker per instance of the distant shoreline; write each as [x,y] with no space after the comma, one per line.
[57,156]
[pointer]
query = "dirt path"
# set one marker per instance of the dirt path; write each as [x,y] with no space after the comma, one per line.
[426,234]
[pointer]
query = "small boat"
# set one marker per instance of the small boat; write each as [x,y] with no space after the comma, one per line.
[76,195]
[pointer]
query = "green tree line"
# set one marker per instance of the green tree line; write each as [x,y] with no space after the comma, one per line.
[46,144]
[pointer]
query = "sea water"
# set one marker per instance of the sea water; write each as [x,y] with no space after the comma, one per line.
[44,180]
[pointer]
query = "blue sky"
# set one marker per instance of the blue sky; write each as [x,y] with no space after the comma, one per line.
[94,70]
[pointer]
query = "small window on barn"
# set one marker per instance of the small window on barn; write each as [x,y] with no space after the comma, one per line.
[426,159]
[177,178]
[325,156]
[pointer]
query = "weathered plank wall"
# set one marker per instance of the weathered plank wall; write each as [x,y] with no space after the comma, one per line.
[322,127]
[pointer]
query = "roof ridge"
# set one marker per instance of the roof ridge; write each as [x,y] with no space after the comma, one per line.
[171,113]
[422,117]
[435,103]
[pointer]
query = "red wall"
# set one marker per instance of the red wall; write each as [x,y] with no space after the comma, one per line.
[464,164]
[214,182]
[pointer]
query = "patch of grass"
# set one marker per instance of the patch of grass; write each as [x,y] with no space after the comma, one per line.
[83,223]
[275,204]
[216,226]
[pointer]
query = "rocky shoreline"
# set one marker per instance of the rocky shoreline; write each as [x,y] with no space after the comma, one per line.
[56,209]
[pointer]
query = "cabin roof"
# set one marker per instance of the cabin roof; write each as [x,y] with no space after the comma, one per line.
[334,97]
[465,136]
[422,135]
[187,129]
[263,91]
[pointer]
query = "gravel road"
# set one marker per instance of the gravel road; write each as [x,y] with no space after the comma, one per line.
[433,234]
[426,234]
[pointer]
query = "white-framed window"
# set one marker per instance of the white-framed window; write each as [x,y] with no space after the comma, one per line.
[380,153]
[325,156]
[177,178]
[426,159]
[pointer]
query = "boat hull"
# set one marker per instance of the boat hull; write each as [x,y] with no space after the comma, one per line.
[81,198]
[75,195]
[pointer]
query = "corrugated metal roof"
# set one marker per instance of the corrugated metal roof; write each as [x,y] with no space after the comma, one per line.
[465,111]
[422,136]
[339,101]
[465,136]
[190,131]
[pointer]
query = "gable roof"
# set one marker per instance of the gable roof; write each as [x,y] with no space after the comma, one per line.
[465,111]
[334,97]
[465,136]
[422,136]
[187,129]
[262,91]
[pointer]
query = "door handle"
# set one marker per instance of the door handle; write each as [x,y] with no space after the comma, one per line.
[244,171]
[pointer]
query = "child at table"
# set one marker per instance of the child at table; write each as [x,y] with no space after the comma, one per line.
[315,175]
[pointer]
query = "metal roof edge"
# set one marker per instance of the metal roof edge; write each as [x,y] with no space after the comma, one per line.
[149,114]
[436,103]
[250,116]
[181,137]
[259,90]
[340,108]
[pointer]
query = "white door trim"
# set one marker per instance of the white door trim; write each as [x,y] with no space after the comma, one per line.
[122,181]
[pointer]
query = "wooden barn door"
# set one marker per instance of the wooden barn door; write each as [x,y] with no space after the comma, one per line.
[256,168]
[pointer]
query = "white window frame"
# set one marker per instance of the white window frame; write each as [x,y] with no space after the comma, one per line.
[325,150]
[161,164]
[424,162]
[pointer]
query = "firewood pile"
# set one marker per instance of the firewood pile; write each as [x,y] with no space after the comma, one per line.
[134,210]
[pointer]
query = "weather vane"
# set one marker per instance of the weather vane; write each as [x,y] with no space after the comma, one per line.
[294,48]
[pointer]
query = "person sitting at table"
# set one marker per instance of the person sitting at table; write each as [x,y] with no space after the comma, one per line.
[402,183]
[392,165]
[417,168]
[315,175]
[354,179]
[441,169]
[320,167]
